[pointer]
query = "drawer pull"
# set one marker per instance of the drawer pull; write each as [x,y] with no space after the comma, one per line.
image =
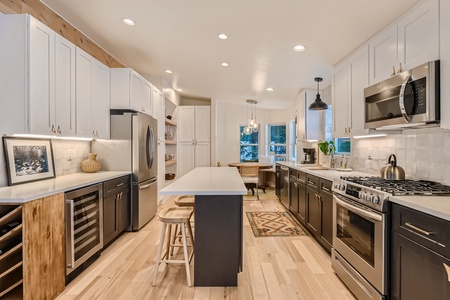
[325,189]
[120,184]
[447,269]
[407,224]
[311,182]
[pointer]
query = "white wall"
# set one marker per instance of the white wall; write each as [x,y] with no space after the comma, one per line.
[423,154]
[228,119]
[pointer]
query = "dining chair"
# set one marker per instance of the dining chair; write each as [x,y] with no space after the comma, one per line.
[249,174]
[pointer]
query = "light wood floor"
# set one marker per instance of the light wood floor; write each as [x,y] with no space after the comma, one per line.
[274,268]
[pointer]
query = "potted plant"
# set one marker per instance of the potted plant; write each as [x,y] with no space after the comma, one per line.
[327,148]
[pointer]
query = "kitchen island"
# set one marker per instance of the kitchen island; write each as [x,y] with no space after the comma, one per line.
[218,222]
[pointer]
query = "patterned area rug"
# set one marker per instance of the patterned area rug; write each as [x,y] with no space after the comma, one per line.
[274,224]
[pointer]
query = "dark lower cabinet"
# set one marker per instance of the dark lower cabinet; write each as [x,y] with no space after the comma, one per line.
[293,195]
[116,208]
[420,264]
[319,210]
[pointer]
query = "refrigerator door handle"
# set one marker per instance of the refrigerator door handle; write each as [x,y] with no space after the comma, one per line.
[150,146]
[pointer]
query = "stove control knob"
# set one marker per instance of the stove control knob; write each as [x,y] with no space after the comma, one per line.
[375,199]
[361,195]
[367,197]
[342,187]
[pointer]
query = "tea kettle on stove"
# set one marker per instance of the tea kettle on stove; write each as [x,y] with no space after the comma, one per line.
[391,170]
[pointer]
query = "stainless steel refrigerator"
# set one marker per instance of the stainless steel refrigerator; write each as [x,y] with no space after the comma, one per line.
[133,146]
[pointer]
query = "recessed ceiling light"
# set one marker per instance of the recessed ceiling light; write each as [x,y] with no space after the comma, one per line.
[168,71]
[224,64]
[222,36]
[128,22]
[180,90]
[299,48]
[269,89]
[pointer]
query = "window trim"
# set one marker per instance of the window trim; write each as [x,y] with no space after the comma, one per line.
[285,144]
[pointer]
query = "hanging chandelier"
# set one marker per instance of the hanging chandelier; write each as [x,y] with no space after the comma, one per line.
[252,125]
[318,104]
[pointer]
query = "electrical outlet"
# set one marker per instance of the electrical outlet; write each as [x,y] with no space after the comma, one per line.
[69,155]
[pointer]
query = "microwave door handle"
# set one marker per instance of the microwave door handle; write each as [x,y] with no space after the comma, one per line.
[401,99]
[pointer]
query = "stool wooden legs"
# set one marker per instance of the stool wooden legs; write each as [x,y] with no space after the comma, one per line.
[165,258]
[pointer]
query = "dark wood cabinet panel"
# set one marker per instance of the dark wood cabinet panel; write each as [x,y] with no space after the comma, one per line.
[313,212]
[301,215]
[293,196]
[110,213]
[420,264]
[116,208]
[326,227]
[418,273]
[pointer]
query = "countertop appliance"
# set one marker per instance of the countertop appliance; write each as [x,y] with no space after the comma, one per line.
[133,147]
[408,99]
[309,156]
[84,228]
[360,229]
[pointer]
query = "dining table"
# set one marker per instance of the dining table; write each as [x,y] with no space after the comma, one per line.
[264,167]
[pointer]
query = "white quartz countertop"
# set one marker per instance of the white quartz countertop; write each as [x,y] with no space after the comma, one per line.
[438,206]
[329,174]
[207,181]
[30,191]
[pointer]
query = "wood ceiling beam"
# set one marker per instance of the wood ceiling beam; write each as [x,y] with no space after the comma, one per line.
[44,14]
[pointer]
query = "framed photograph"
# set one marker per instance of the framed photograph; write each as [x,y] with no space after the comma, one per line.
[28,159]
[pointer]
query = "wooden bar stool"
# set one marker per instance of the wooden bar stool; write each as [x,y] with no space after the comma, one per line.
[185,201]
[175,216]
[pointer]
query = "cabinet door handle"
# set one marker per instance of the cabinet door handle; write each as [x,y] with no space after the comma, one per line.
[59,129]
[53,129]
[295,184]
[447,269]
[348,130]
[407,224]
[325,189]
[400,68]
[393,71]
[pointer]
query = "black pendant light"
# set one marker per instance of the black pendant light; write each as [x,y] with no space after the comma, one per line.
[318,104]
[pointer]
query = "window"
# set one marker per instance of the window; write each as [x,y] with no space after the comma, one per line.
[342,145]
[277,141]
[249,145]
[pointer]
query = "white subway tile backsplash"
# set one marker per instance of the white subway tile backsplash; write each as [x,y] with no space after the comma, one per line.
[421,152]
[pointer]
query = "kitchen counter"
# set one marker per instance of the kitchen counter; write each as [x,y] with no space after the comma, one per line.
[328,174]
[208,181]
[218,222]
[438,206]
[30,191]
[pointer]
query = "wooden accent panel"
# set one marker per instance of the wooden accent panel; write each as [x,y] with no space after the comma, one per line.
[44,14]
[44,248]
[10,6]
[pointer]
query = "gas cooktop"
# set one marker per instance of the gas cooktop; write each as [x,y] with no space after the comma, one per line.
[401,187]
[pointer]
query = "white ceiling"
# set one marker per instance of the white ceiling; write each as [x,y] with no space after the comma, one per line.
[181,35]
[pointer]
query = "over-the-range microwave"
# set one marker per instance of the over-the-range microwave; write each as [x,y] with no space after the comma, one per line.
[410,99]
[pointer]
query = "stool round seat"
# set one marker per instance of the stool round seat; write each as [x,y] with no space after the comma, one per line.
[175,215]
[185,200]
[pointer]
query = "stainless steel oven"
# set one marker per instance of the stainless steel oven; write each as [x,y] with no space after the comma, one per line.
[359,238]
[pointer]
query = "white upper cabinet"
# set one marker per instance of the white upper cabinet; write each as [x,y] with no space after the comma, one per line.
[413,40]
[444,10]
[129,90]
[418,35]
[311,122]
[350,79]
[39,96]
[92,96]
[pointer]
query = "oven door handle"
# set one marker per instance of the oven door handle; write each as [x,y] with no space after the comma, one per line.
[359,211]
[401,99]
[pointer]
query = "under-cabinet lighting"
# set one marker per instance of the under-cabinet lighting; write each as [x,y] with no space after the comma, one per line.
[40,136]
[368,136]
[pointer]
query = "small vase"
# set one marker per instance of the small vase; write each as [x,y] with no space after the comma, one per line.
[91,164]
